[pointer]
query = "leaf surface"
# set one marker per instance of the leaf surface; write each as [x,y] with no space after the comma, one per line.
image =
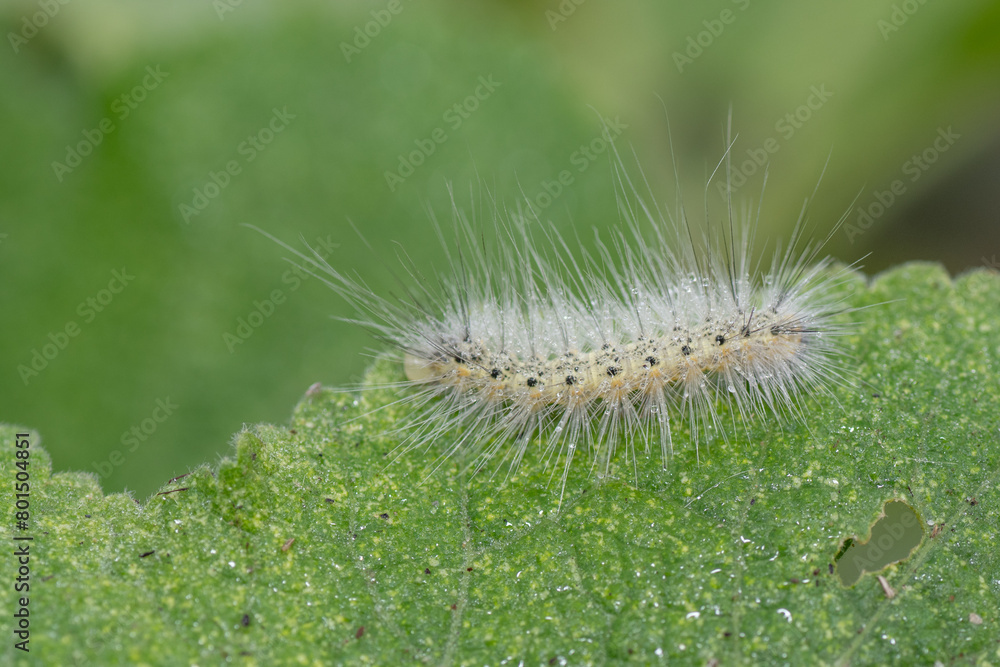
[306,546]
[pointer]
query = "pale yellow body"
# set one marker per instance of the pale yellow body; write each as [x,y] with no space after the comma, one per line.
[625,369]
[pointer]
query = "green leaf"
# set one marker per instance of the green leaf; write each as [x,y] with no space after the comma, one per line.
[308,547]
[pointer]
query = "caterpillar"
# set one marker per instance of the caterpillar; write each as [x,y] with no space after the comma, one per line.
[531,341]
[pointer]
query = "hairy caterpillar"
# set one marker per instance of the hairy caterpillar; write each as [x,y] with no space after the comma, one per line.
[533,342]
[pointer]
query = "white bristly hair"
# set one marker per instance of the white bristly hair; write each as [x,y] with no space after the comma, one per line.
[537,343]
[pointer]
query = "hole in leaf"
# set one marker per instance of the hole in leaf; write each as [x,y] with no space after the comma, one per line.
[895,535]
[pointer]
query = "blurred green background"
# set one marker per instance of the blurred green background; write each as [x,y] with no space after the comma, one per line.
[116,115]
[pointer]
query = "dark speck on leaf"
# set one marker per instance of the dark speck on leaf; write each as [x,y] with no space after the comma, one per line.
[148,553]
[427,570]
[360,633]
[329,500]
[454,607]
[383,515]
[245,621]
